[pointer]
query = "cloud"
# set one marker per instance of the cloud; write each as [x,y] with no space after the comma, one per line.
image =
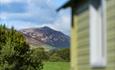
[62,23]
[10,1]
[13,7]
[34,13]
[5,1]
[37,11]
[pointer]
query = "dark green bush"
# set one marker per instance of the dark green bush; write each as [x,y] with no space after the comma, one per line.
[15,54]
[62,54]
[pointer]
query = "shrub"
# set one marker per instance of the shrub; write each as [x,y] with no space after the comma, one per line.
[15,54]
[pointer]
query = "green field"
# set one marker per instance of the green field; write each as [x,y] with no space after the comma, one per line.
[56,66]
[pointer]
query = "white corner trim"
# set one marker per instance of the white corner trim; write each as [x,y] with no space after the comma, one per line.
[98,36]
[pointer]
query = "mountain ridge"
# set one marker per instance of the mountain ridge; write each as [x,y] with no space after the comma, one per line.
[46,36]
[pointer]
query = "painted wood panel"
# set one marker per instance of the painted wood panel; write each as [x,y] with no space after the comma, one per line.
[83,38]
[111,34]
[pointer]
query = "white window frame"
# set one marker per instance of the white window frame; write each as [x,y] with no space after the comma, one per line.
[98,40]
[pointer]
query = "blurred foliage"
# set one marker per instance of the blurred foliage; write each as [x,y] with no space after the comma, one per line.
[15,54]
[62,54]
[55,55]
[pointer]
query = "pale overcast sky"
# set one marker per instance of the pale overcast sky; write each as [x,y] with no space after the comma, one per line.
[35,13]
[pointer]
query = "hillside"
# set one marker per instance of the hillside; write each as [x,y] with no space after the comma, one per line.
[46,36]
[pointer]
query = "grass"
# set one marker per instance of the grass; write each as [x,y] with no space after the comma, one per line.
[56,66]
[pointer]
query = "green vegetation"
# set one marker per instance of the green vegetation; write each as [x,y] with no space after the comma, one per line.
[54,59]
[56,66]
[15,54]
[62,54]
[55,55]
[41,53]
[46,47]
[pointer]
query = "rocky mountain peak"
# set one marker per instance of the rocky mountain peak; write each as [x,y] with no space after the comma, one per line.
[46,35]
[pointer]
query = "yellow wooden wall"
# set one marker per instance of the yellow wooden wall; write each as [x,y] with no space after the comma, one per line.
[83,38]
[111,34]
[80,39]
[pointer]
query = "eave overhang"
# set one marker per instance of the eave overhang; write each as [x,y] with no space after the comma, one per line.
[72,4]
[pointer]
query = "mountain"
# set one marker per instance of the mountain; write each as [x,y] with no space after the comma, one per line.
[46,36]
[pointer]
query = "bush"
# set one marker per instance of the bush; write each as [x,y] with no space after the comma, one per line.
[15,54]
[62,54]
[41,53]
[55,57]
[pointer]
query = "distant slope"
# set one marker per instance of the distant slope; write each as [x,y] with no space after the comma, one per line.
[46,36]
